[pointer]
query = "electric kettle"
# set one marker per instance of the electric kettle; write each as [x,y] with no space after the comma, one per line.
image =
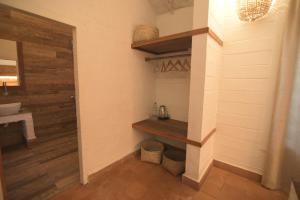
[163,112]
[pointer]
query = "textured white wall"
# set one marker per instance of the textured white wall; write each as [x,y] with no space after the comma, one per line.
[247,85]
[206,64]
[292,151]
[179,21]
[214,63]
[172,88]
[116,86]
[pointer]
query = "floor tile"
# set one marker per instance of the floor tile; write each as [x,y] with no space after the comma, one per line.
[133,180]
[203,196]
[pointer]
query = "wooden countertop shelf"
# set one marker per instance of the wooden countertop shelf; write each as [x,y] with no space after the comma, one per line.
[174,43]
[169,129]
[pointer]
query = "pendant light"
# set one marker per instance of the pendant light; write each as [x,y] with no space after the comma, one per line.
[251,10]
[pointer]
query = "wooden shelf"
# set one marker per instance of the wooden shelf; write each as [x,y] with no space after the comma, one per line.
[174,43]
[169,129]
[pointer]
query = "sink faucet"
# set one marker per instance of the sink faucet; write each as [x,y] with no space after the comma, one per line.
[5,92]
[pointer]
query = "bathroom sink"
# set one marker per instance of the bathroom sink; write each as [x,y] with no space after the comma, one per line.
[9,109]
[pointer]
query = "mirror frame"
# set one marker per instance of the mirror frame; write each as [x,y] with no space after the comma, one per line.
[21,85]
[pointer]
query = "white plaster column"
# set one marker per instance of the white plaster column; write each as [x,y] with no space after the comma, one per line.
[198,62]
[205,66]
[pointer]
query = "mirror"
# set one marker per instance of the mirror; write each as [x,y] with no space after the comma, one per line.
[10,63]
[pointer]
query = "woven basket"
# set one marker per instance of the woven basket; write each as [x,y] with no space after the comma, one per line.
[145,33]
[174,161]
[151,151]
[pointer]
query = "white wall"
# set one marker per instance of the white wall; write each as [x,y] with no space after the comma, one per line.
[195,162]
[172,88]
[214,63]
[291,163]
[206,65]
[247,85]
[116,86]
[210,101]
[180,20]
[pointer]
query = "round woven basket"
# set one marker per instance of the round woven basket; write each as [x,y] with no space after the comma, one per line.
[151,151]
[145,33]
[174,161]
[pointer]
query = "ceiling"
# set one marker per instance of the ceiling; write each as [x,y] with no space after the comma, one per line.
[164,6]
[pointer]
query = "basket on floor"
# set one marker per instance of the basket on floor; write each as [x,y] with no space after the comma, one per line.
[174,161]
[151,151]
[145,33]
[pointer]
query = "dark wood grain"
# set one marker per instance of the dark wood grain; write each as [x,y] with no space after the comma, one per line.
[3,184]
[51,164]
[8,70]
[21,75]
[10,135]
[46,73]
[174,43]
[43,170]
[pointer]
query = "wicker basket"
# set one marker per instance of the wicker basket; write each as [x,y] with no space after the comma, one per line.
[145,33]
[151,151]
[174,161]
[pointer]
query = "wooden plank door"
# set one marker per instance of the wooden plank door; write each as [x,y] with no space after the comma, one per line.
[3,194]
[48,71]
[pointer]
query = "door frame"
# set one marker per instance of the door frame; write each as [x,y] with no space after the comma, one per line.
[82,164]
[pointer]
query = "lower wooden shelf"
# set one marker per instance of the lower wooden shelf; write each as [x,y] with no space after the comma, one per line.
[169,129]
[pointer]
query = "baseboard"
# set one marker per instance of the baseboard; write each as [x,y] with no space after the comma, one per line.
[233,169]
[31,143]
[194,184]
[294,191]
[113,165]
[186,180]
[191,183]
[239,171]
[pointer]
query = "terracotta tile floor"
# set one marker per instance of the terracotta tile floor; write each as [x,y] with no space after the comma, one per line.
[134,179]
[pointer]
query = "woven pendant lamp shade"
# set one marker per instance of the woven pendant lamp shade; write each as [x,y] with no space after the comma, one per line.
[251,10]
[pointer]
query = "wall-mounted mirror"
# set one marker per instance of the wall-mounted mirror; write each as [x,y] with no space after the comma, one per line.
[10,63]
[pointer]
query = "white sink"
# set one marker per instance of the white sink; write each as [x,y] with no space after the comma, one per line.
[9,109]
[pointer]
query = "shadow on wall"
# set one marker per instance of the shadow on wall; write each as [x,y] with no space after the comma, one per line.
[291,167]
[291,164]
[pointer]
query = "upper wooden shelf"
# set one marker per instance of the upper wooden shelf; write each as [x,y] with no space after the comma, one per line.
[174,43]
